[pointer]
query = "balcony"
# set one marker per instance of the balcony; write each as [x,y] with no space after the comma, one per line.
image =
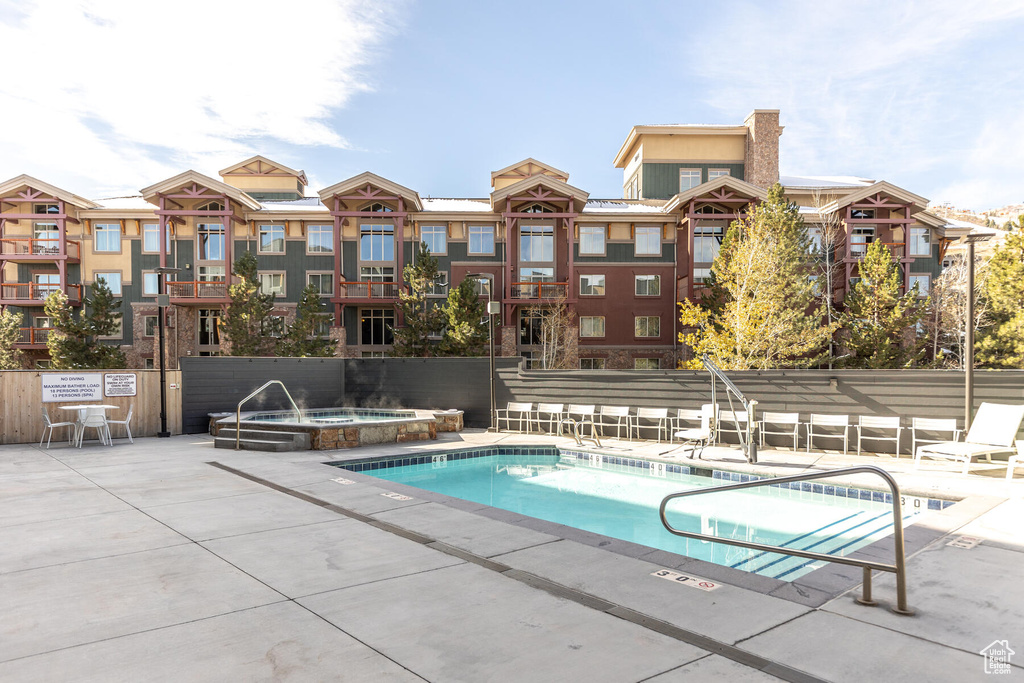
[856,252]
[32,294]
[26,249]
[369,291]
[540,291]
[197,290]
[33,337]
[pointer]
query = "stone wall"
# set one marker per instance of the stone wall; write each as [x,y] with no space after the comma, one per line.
[761,165]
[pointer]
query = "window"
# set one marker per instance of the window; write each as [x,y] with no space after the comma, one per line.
[47,239]
[322,325]
[717,173]
[646,364]
[319,239]
[701,275]
[324,283]
[211,273]
[482,285]
[592,285]
[46,284]
[647,326]
[923,282]
[591,325]
[532,361]
[530,322]
[376,243]
[150,284]
[920,242]
[439,287]
[592,363]
[149,326]
[648,285]
[118,333]
[435,237]
[592,239]
[707,240]
[151,238]
[688,178]
[536,208]
[211,206]
[862,213]
[648,241]
[45,208]
[376,274]
[271,239]
[148,364]
[208,330]
[44,322]
[378,208]
[272,283]
[814,235]
[862,236]
[106,237]
[211,241]
[113,281]
[272,326]
[481,239]
[376,326]
[536,243]
[44,363]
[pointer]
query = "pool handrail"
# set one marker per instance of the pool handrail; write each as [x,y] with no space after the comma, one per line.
[899,568]
[238,410]
[747,441]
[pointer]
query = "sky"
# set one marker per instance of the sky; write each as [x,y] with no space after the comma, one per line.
[109,96]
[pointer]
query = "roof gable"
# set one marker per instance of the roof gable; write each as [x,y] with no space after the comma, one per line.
[881,187]
[150,194]
[53,191]
[526,184]
[726,183]
[367,178]
[262,166]
[528,168]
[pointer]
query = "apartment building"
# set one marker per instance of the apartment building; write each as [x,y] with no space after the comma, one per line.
[619,264]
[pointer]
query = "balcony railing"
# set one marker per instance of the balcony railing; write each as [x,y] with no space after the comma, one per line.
[856,252]
[26,246]
[33,336]
[540,290]
[369,290]
[30,291]
[198,289]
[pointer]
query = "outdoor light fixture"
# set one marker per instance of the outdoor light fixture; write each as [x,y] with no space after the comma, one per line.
[969,342]
[162,302]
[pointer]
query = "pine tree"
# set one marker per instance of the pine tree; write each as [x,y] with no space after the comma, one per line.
[761,309]
[880,323]
[248,317]
[72,342]
[1002,344]
[465,333]
[422,318]
[103,319]
[10,334]
[302,340]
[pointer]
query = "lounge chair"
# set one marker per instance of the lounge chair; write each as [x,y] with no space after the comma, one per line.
[789,424]
[701,436]
[818,420]
[994,430]
[1014,459]
[514,411]
[50,426]
[876,424]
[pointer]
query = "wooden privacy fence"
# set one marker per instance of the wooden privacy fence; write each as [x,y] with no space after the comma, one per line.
[21,404]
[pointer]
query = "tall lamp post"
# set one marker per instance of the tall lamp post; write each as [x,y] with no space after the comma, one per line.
[162,302]
[493,309]
[969,328]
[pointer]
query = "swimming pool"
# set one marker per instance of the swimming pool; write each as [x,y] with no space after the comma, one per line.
[619,497]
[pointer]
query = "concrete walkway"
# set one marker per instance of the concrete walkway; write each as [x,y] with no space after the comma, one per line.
[147,562]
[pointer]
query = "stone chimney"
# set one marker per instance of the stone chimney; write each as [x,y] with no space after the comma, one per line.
[761,162]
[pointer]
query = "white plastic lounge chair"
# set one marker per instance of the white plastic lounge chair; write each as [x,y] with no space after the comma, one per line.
[520,412]
[50,426]
[788,423]
[701,436]
[650,418]
[97,419]
[549,414]
[993,431]
[876,424]
[614,416]
[818,420]
[931,426]
[126,422]
[1014,459]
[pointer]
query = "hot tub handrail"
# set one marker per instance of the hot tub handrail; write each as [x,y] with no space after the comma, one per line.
[238,410]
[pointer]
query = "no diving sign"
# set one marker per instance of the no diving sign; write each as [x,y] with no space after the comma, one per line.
[691,581]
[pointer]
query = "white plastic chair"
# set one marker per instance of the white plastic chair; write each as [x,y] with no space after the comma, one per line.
[584,414]
[126,422]
[790,422]
[97,419]
[738,419]
[548,413]
[818,420]
[877,423]
[49,426]
[614,416]
[517,411]
[993,431]
[685,418]
[658,416]
[701,436]
[931,426]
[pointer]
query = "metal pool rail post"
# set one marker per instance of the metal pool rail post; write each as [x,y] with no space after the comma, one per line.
[899,568]
[238,410]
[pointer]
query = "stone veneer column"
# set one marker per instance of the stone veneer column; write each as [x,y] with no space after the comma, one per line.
[509,341]
[340,338]
[761,164]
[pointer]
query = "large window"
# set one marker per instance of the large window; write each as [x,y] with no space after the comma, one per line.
[149,324]
[151,238]
[211,274]
[591,325]
[592,285]
[211,241]
[271,239]
[592,363]
[45,208]
[647,326]
[923,282]
[814,235]
[536,243]
[645,364]
[324,282]
[439,287]
[272,283]
[481,240]
[113,281]
[648,285]
[435,237]
[106,237]
[861,237]
[376,326]
[208,330]
[706,242]
[47,238]
[648,241]
[376,274]
[150,284]
[376,243]
[689,178]
[530,322]
[319,239]
[46,284]
[920,242]
[592,240]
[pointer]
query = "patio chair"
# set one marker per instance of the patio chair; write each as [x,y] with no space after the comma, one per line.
[655,418]
[993,431]
[581,413]
[549,413]
[514,411]
[126,422]
[789,424]
[701,436]
[685,418]
[931,426]
[876,424]
[614,416]
[49,426]
[97,419]
[737,418]
[1014,459]
[818,420]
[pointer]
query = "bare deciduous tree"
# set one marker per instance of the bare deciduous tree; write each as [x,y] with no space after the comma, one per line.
[831,233]
[946,323]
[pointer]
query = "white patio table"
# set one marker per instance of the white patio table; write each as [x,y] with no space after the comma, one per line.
[81,414]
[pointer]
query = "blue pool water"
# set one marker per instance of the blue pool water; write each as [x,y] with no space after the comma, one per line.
[619,497]
[329,416]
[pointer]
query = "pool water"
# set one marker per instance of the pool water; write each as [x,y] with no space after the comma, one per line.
[334,416]
[620,497]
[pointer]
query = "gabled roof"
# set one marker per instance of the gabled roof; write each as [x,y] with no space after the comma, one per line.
[19,181]
[260,160]
[525,184]
[164,186]
[738,186]
[530,161]
[368,178]
[881,187]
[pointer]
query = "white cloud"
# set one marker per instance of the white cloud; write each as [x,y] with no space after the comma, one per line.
[107,96]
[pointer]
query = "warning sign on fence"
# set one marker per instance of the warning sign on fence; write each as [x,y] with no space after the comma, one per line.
[72,387]
[119,384]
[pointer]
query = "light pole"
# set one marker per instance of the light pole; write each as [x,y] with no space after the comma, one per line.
[162,302]
[493,309]
[969,328]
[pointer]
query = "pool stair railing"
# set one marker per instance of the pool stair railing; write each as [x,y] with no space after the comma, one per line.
[261,439]
[576,430]
[238,410]
[747,432]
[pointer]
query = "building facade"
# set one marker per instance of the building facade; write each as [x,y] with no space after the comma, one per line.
[619,265]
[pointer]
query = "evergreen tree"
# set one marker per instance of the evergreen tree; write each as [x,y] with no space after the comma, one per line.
[73,342]
[760,311]
[302,340]
[248,317]
[466,333]
[64,341]
[1002,344]
[422,318]
[10,334]
[881,324]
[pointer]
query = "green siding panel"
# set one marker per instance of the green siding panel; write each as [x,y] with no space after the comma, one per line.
[661,181]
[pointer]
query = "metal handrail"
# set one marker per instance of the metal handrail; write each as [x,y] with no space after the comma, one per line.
[899,568]
[577,431]
[747,441]
[238,410]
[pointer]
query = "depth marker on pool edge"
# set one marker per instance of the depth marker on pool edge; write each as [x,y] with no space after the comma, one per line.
[691,581]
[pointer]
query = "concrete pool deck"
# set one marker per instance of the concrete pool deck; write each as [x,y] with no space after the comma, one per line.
[148,562]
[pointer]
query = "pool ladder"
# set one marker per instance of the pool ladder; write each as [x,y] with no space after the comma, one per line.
[577,431]
[238,410]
